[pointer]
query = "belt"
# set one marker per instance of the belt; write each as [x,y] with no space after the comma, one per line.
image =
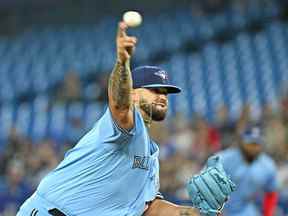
[56,212]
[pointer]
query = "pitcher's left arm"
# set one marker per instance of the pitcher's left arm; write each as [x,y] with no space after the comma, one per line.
[159,207]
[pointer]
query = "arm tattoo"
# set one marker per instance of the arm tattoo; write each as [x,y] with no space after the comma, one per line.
[187,211]
[120,85]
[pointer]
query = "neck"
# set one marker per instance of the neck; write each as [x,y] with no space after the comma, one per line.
[146,118]
[249,159]
[147,122]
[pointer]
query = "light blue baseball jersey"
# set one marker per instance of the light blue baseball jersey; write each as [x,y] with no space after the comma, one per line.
[109,172]
[252,180]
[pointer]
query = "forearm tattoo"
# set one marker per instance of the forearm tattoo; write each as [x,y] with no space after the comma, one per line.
[187,211]
[120,85]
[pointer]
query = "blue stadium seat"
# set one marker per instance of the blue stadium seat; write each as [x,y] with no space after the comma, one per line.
[7,116]
[39,118]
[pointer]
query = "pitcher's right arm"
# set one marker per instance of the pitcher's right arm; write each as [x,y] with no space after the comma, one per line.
[120,81]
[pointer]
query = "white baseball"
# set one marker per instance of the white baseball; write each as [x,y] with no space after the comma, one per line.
[132,18]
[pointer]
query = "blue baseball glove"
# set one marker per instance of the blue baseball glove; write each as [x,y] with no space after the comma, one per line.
[210,189]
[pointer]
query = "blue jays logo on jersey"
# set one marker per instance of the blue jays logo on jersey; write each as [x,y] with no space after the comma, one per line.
[140,162]
[162,74]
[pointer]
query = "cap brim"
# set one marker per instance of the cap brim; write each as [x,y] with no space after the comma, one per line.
[249,140]
[171,89]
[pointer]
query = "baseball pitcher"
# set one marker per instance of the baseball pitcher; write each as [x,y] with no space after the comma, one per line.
[114,170]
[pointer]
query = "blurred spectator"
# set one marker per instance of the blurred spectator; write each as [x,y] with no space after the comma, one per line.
[183,136]
[14,189]
[75,127]
[244,119]
[75,130]
[174,174]
[102,84]
[33,169]
[207,138]
[96,87]
[284,116]
[275,136]
[225,126]
[47,156]
[71,88]
[17,143]
[17,146]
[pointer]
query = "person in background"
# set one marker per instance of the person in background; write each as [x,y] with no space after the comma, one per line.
[254,173]
[14,189]
[71,88]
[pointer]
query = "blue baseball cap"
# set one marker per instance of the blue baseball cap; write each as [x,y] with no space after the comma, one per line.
[153,77]
[252,135]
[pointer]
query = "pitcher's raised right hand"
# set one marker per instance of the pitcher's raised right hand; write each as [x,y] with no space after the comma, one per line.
[125,44]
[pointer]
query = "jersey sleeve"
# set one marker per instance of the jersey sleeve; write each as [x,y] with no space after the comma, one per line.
[271,182]
[110,132]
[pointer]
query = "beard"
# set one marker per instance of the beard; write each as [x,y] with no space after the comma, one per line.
[153,110]
[249,157]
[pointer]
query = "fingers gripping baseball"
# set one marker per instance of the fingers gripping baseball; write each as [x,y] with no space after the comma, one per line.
[125,44]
